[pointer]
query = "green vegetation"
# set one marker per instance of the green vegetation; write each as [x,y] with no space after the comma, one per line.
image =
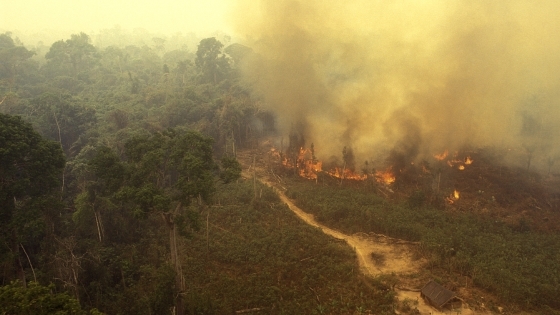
[518,265]
[120,191]
[38,300]
[262,256]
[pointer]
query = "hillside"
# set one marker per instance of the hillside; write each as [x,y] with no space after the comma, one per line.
[254,254]
[496,243]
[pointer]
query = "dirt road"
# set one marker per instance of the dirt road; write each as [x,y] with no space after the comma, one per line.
[397,258]
[394,256]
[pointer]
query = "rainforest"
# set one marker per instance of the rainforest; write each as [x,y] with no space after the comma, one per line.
[375,158]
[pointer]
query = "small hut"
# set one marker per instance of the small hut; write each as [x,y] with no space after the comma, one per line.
[437,295]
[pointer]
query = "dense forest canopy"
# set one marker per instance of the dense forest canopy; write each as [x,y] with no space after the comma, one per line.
[109,152]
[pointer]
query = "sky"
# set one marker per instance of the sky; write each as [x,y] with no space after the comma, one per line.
[161,16]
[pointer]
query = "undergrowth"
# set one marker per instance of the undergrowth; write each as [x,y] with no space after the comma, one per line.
[256,254]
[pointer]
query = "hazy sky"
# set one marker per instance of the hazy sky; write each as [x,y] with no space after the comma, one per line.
[410,77]
[165,16]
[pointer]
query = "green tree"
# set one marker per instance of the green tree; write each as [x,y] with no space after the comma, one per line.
[104,175]
[231,169]
[11,57]
[168,171]
[30,172]
[213,64]
[72,56]
[60,118]
[16,299]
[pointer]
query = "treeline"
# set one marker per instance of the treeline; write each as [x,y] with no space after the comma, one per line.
[81,92]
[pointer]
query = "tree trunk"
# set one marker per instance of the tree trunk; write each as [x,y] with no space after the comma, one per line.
[99,225]
[19,265]
[175,262]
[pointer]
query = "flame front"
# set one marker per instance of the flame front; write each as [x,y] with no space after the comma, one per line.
[309,167]
[346,173]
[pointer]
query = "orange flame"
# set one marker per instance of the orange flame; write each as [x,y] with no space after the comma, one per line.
[441,156]
[346,174]
[461,167]
[468,160]
[385,177]
[453,197]
[308,167]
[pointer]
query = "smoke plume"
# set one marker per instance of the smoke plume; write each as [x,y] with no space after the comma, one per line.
[416,76]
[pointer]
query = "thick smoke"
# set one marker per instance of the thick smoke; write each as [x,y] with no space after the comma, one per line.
[415,76]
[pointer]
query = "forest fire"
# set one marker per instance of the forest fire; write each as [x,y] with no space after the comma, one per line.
[460,164]
[306,164]
[453,197]
[309,167]
[346,173]
[442,156]
[385,177]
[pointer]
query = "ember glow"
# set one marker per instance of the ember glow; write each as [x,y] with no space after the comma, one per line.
[455,161]
[386,177]
[453,197]
[441,156]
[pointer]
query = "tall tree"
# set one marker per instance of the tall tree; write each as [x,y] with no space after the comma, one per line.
[11,56]
[30,172]
[169,171]
[102,177]
[72,56]
[213,64]
[58,117]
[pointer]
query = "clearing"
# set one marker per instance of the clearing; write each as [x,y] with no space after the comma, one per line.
[377,254]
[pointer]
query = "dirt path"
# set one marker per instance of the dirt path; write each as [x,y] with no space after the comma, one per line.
[397,258]
[394,255]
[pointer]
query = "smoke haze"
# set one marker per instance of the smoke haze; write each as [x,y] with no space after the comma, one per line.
[416,76]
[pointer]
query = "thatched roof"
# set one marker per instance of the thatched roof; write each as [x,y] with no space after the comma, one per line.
[436,294]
